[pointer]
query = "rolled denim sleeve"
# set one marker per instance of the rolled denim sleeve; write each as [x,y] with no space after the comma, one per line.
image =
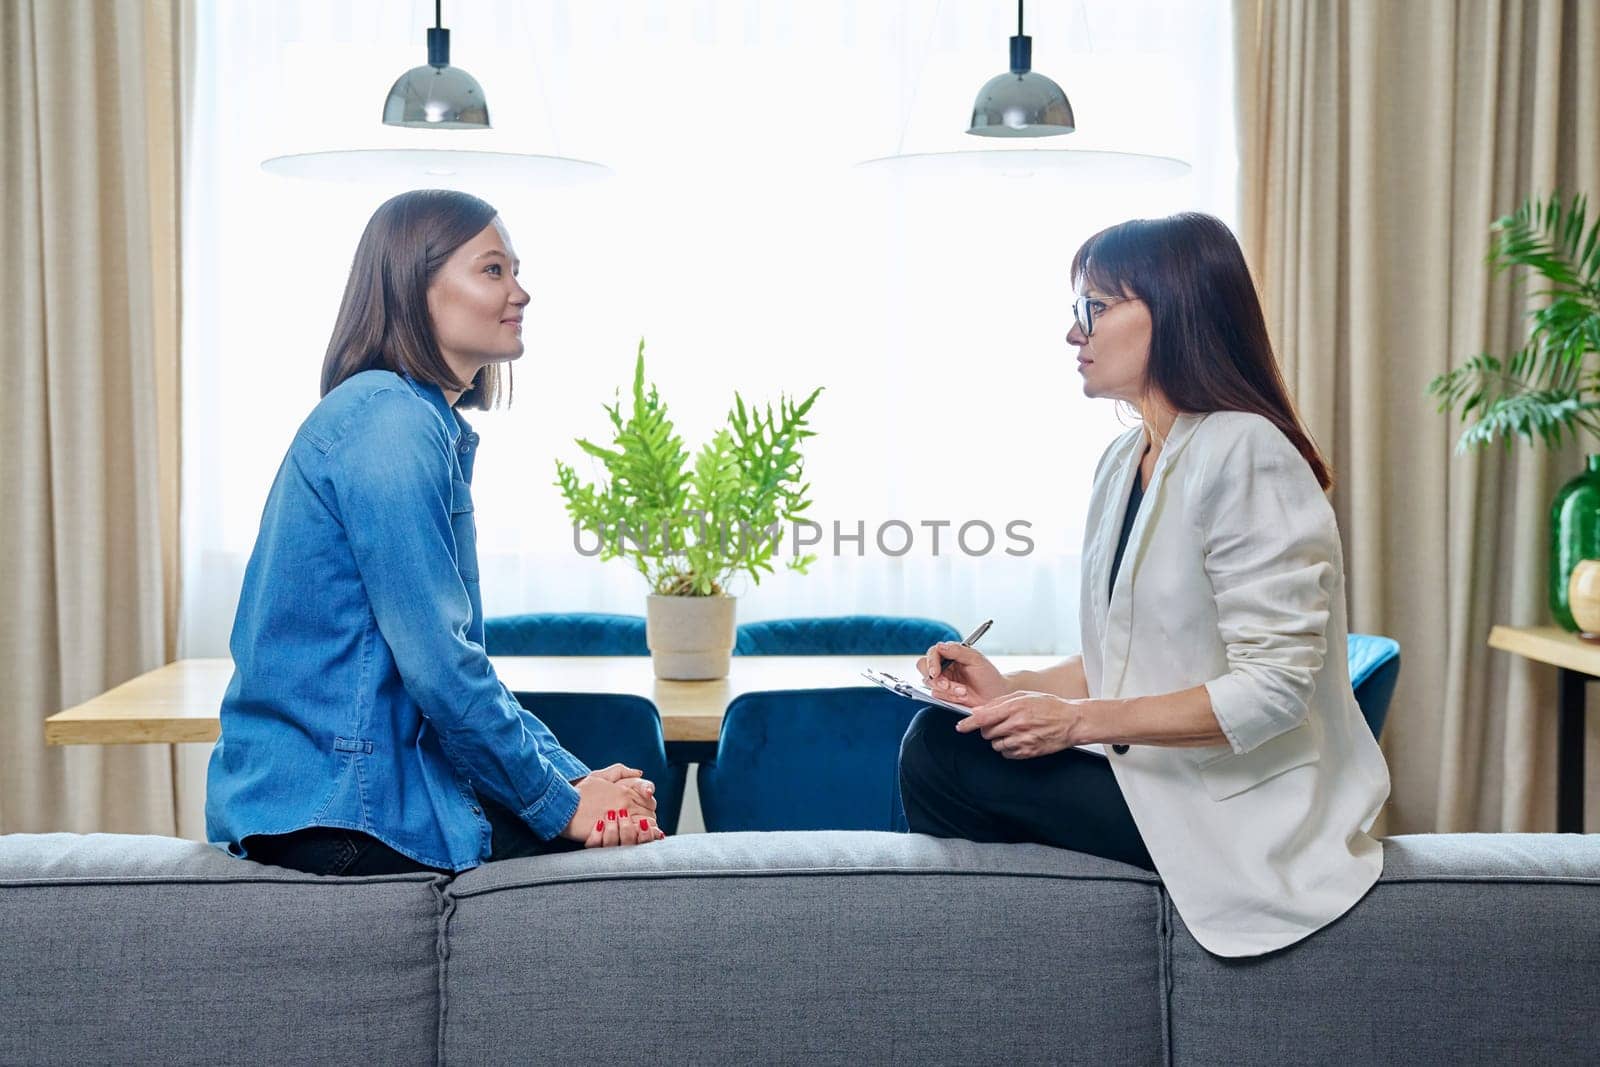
[1270,544]
[391,477]
[565,762]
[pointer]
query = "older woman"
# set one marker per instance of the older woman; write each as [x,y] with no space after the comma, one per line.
[1236,761]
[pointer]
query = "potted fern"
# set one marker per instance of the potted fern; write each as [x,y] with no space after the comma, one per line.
[691,528]
[1551,386]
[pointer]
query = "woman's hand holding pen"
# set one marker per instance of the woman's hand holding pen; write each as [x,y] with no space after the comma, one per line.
[969,681]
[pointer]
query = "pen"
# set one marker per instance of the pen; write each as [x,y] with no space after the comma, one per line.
[972,639]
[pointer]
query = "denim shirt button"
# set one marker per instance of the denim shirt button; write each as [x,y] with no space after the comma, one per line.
[476,810]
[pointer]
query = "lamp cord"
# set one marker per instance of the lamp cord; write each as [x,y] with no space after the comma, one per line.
[916,86]
[1019,18]
[438,14]
[544,90]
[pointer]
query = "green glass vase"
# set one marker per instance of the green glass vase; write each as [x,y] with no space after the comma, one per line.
[1574,537]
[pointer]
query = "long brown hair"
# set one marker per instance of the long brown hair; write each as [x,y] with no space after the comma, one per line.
[383,321]
[1209,349]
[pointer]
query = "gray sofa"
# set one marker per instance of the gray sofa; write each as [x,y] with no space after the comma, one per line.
[777,948]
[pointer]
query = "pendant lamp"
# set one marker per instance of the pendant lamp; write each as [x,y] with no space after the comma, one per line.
[437,95]
[1021,102]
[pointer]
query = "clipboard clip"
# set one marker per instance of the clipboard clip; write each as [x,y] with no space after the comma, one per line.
[901,688]
[893,684]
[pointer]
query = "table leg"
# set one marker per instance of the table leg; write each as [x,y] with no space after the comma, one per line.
[1570,738]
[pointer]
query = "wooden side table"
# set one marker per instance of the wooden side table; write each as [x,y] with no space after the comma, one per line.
[1577,662]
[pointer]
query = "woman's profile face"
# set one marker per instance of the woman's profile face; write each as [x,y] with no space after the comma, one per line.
[476,304]
[1113,359]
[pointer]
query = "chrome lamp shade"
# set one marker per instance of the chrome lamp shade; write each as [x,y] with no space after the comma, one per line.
[437,97]
[1025,104]
[1021,103]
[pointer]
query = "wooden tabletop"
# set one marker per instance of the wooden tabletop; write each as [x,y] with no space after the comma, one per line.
[180,702]
[1548,644]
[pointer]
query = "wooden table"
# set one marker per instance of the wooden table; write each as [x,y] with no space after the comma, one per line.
[1577,662]
[179,702]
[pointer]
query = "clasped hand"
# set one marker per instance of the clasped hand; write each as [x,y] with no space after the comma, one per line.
[616,806]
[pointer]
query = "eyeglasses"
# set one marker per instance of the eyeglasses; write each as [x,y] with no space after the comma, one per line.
[1085,309]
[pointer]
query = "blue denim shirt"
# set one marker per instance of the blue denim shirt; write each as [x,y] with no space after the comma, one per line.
[361,695]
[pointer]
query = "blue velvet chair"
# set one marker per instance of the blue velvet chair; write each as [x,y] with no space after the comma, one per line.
[565,633]
[842,635]
[815,759]
[1374,670]
[602,729]
[807,759]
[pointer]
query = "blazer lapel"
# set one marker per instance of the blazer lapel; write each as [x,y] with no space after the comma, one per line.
[1103,544]
[1119,609]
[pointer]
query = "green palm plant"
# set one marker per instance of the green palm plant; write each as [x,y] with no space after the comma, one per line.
[1549,387]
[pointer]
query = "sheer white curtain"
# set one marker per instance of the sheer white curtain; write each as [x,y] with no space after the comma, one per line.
[738,240]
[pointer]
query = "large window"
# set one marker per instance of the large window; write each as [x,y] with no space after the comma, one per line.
[738,239]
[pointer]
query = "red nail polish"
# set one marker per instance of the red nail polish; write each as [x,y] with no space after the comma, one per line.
[611,815]
[623,813]
[644,824]
[600,826]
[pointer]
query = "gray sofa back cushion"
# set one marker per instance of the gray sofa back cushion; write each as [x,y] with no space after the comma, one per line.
[120,949]
[781,948]
[1473,948]
[793,948]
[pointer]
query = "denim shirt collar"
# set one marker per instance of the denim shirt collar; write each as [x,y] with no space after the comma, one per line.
[462,438]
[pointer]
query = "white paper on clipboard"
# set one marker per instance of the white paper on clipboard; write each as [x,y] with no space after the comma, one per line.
[922,694]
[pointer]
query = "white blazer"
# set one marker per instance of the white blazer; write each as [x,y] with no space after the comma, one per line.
[1233,578]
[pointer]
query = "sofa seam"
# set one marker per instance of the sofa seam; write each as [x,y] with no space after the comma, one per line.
[1164,933]
[414,879]
[447,907]
[789,872]
[1535,879]
[874,872]
[335,881]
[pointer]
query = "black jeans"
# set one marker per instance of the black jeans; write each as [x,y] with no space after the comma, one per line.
[331,850]
[957,785]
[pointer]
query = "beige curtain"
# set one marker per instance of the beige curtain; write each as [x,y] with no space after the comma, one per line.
[92,122]
[1378,141]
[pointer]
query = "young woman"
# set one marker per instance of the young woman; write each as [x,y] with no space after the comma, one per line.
[1236,762]
[364,731]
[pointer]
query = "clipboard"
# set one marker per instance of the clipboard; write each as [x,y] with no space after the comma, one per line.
[923,695]
[911,691]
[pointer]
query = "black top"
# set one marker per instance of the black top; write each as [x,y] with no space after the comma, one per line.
[1128,518]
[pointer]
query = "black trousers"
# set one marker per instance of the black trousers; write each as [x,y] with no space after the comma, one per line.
[957,785]
[336,851]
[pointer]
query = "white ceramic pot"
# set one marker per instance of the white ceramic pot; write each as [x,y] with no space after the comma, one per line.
[690,637]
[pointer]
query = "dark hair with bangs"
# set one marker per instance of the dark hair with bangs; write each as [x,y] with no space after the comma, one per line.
[383,321]
[1209,349]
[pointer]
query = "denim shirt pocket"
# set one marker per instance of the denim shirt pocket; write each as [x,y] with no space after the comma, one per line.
[466,532]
